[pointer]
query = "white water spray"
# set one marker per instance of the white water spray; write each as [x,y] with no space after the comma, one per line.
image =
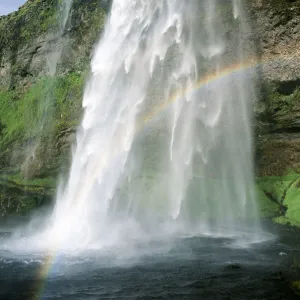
[147,160]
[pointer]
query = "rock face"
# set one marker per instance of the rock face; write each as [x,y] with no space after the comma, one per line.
[277,29]
[42,72]
[39,112]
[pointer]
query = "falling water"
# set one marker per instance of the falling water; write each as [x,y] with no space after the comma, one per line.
[54,56]
[160,146]
[53,59]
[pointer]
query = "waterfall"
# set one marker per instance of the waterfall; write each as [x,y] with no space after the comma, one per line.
[165,140]
[55,55]
[53,59]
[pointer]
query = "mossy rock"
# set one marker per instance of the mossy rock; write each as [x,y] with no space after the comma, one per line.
[20,198]
[292,202]
[284,194]
[267,208]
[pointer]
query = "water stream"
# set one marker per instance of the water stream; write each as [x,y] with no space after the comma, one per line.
[46,106]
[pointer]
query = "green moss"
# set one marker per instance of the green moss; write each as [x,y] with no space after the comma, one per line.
[94,17]
[284,194]
[31,184]
[49,103]
[68,94]
[266,207]
[32,20]
[22,199]
[282,220]
[276,185]
[292,202]
[40,116]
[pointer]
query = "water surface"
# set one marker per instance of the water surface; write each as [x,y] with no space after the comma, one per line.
[183,268]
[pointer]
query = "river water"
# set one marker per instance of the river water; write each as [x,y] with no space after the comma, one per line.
[202,267]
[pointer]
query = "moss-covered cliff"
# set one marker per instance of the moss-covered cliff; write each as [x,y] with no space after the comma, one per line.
[39,112]
[277,27]
[277,113]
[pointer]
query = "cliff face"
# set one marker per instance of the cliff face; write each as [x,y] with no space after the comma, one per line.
[42,73]
[39,112]
[277,113]
[277,29]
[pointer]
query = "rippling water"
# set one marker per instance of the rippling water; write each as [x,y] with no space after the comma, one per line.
[185,268]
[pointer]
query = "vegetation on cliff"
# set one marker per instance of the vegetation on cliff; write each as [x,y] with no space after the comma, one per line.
[39,113]
[280,198]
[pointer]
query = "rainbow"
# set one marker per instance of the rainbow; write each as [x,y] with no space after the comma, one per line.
[209,78]
[43,274]
[198,85]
